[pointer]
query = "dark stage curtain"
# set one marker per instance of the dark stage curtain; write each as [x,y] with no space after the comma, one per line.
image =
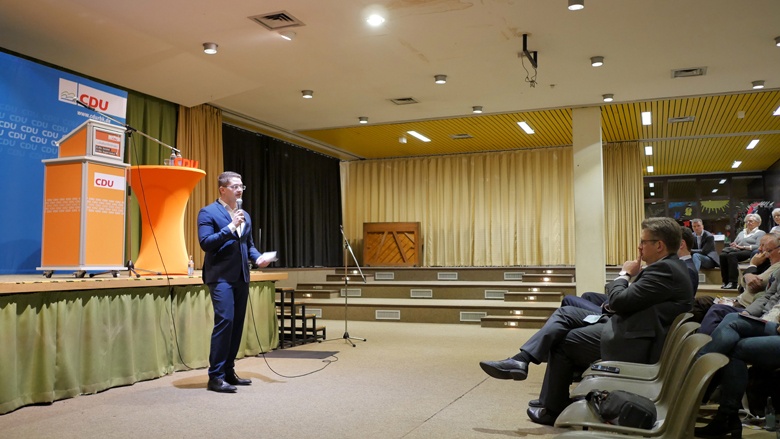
[293,195]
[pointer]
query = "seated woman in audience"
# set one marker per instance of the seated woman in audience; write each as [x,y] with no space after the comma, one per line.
[776,217]
[739,250]
[744,340]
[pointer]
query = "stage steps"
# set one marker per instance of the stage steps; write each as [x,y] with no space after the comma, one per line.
[492,296]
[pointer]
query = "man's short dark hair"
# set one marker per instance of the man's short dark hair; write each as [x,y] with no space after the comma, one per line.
[666,230]
[687,237]
[224,178]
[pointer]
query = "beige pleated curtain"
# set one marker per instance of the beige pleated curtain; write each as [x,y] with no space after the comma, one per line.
[493,209]
[199,137]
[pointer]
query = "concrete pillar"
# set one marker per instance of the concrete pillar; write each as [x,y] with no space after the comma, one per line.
[590,253]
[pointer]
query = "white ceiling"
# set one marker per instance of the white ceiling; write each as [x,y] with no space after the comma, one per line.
[155,47]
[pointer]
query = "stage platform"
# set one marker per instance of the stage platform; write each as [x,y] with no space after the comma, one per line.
[33,283]
[62,336]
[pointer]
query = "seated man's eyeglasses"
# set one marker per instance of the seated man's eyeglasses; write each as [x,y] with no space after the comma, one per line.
[237,186]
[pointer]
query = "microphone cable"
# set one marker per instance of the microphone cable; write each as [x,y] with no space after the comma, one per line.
[262,353]
[159,252]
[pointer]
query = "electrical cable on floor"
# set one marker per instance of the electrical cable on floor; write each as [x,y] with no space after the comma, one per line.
[262,351]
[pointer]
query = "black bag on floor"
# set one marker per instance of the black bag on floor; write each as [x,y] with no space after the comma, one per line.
[619,407]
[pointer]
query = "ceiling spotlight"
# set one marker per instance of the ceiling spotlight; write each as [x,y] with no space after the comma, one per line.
[650,169]
[476,109]
[777,41]
[758,84]
[210,48]
[288,35]
[576,5]
[440,79]
[597,61]
[647,118]
[307,94]
[609,97]
[375,20]
[363,119]
[402,139]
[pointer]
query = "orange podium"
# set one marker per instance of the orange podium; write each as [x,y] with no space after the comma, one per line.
[84,202]
[162,193]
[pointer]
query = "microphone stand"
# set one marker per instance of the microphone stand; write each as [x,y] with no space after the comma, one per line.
[347,247]
[129,132]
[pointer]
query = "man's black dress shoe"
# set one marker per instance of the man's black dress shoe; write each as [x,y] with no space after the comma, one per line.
[218,385]
[232,378]
[506,369]
[535,403]
[541,415]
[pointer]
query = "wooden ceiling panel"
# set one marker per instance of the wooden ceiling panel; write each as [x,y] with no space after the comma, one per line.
[721,128]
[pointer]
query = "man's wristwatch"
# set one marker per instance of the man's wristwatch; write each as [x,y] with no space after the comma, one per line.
[623,273]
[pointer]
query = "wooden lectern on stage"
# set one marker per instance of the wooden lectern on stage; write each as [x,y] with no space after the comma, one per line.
[162,193]
[84,202]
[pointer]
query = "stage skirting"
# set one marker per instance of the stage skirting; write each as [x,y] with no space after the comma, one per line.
[60,344]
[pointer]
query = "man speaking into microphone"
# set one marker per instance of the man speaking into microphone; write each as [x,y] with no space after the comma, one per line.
[224,233]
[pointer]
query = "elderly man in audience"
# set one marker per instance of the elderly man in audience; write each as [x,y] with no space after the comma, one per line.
[745,340]
[757,287]
[739,250]
[704,254]
[632,327]
[753,304]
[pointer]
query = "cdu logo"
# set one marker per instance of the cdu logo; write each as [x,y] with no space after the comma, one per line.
[111,104]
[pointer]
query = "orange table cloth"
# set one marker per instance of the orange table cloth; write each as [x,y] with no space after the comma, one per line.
[162,193]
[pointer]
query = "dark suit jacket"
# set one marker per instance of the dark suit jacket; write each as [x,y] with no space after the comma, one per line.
[693,274]
[227,254]
[644,310]
[707,246]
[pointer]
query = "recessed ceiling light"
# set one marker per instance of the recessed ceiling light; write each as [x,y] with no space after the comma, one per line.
[736,163]
[647,118]
[440,79]
[777,41]
[597,61]
[752,144]
[609,97]
[648,150]
[288,35]
[210,48]
[418,135]
[363,119]
[650,169]
[576,5]
[722,181]
[652,184]
[715,190]
[777,112]
[527,128]
[652,194]
[757,85]
[476,109]
[307,94]
[375,20]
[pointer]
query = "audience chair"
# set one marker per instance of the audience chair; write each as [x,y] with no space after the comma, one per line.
[666,383]
[678,331]
[676,412]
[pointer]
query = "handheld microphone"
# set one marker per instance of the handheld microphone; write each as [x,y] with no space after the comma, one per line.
[239,202]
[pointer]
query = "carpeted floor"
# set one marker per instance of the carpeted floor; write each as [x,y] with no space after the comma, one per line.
[415,381]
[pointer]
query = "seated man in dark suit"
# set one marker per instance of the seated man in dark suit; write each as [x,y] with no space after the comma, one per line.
[633,327]
[703,249]
[595,301]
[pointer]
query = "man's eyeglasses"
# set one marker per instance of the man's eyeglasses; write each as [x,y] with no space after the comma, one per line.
[642,242]
[236,186]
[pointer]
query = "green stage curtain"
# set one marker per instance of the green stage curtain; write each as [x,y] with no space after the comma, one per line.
[56,345]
